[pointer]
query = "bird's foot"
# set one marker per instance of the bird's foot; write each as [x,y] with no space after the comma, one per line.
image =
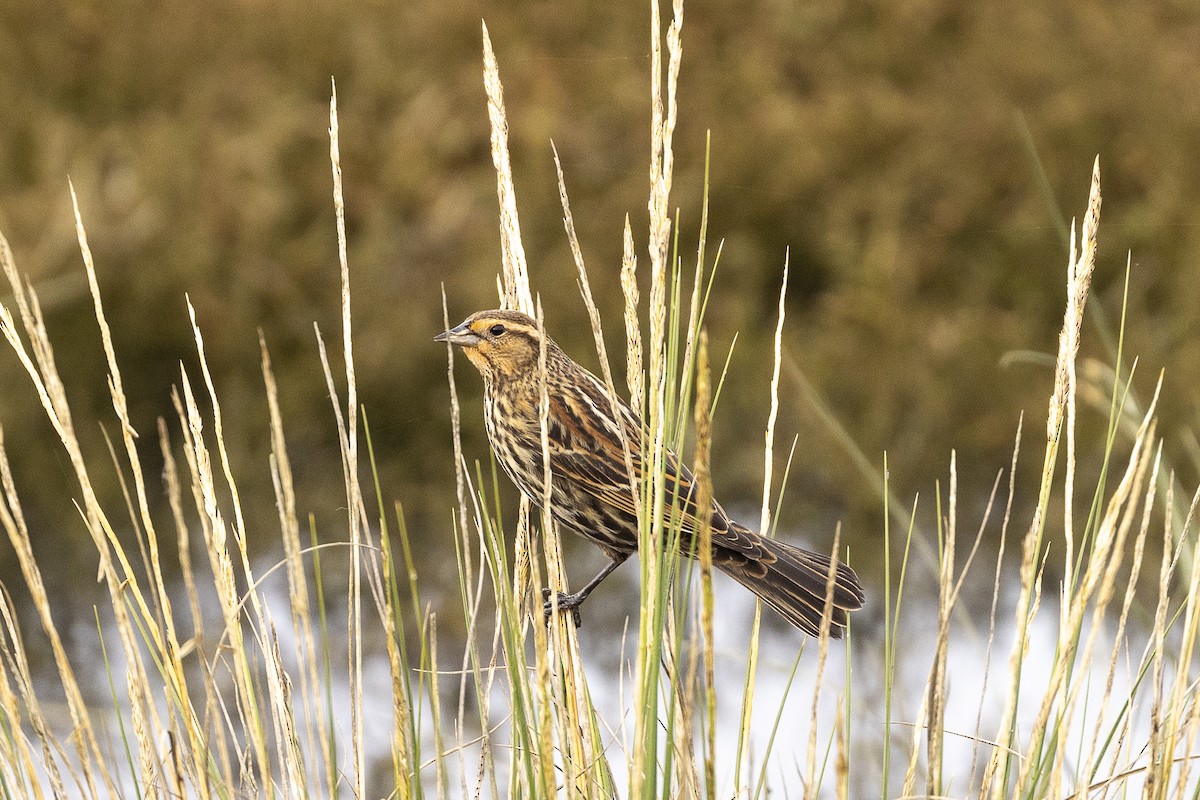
[564,602]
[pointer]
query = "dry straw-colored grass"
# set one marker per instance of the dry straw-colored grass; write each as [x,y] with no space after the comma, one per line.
[224,711]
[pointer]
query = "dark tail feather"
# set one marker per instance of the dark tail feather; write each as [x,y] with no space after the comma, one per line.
[794,582]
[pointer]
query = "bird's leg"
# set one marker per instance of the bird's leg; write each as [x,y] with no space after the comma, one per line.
[572,602]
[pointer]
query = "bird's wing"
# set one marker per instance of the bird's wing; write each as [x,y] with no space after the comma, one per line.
[588,452]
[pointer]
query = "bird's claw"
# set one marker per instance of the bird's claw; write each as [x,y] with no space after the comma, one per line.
[564,602]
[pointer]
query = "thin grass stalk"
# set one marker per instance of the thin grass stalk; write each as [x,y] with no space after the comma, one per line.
[842,765]
[174,767]
[703,476]
[1119,410]
[764,523]
[633,331]
[462,552]
[684,329]
[525,766]
[298,591]
[680,732]
[242,655]
[48,386]
[1060,687]
[996,776]
[238,525]
[144,539]
[298,588]
[390,615]
[673,313]
[592,749]
[174,491]
[292,772]
[1080,283]
[541,693]
[165,642]
[509,586]
[471,601]
[936,687]
[460,472]
[1157,666]
[764,526]
[1181,709]
[891,628]
[433,670]
[699,302]
[469,668]
[920,722]
[325,663]
[949,590]
[218,743]
[55,759]
[546,658]
[349,441]
[481,674]
[889,640]
[1094,753]
[277,691]
[15,654]
[651,533]
[1192,720]
[225,583]
[553,671]
[515,292]
[813,774]
[145,720]
[1107,582]
[992,611]
[597,330]
[17,769]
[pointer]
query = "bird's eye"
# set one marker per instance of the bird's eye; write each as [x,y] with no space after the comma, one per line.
[497,330]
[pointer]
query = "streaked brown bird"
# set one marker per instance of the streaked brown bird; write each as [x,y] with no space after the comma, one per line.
[590,488]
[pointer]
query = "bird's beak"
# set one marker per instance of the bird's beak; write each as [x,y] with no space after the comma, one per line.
[461,335]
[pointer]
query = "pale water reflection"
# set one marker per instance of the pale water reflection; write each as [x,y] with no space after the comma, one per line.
[977,686]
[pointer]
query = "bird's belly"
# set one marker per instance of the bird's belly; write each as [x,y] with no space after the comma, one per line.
[571,506]
[581,512]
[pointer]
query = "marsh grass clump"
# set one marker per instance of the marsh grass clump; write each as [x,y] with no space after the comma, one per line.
[230,677]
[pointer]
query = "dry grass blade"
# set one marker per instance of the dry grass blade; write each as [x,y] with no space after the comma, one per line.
[992,611]
[594,318]
[356,511]
[238,709]
[1061,692]
[14,651]
[49,387]
[703,416]
[764,524]
[633,330]
[937,687]
[1179,718]
[298,584]
[1079,280]
[515,281]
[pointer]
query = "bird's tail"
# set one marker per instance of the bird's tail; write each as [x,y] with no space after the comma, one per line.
[794,582]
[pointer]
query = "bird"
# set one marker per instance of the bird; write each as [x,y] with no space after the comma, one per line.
[591,492]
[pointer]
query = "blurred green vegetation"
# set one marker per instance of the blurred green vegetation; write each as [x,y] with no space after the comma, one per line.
[918,160]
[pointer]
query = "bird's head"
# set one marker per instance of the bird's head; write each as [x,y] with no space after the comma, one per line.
[501,344]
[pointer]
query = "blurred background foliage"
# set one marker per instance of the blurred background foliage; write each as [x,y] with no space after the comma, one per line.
[919,160]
